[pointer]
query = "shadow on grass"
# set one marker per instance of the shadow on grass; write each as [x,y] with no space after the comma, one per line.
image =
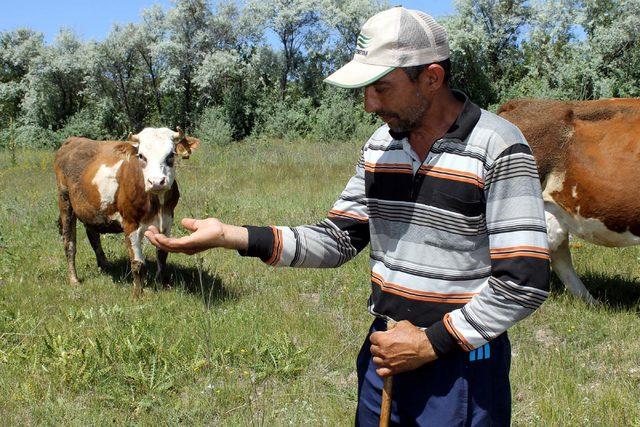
[614,291]
[209,288]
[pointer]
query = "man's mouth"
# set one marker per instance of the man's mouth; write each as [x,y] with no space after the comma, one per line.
[386,116]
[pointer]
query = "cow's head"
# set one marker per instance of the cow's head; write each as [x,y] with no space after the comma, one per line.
[156,150]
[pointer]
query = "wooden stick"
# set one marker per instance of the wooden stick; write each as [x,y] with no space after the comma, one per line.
[387,390]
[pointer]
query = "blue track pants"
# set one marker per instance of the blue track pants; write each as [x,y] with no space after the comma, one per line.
[461,389]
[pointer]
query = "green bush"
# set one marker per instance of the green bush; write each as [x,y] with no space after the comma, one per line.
[214,128]
[287,119]
[336,118]
[85,123]
[28,136]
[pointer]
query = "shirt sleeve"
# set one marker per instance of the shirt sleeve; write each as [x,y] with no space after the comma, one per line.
[330,243]
[519,281]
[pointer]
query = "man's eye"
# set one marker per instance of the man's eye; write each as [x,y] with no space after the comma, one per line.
[379,89]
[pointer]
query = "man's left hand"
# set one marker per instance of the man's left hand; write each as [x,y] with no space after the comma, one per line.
[400,349]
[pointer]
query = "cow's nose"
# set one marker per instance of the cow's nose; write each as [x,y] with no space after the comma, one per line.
[157,182]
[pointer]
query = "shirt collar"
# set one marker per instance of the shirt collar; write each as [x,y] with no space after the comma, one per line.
[462,127]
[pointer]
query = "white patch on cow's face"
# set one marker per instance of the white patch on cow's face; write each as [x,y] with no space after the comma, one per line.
[156,153]
[107,183]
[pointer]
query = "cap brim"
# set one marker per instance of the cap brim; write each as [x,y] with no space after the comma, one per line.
[356,74]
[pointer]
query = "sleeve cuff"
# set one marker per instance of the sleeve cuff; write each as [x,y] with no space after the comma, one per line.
[260,242]
[441,340]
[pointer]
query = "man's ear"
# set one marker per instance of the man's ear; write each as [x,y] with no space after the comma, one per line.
[186,146]
[133,140]
[433,77]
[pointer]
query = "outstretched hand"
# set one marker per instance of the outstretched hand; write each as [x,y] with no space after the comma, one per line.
[206,234]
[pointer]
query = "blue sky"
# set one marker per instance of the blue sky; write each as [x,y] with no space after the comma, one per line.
[94,19]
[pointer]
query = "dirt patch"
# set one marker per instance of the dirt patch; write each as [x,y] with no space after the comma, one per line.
[547,338]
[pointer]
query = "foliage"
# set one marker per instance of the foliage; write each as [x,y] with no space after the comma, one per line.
[336,119]
[32,136]
[288,119]
[86,123]
[261,64]
[214,127]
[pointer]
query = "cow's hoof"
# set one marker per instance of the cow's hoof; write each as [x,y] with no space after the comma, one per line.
[591,300]
[163,281]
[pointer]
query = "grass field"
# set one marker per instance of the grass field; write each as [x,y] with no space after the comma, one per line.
[235,342]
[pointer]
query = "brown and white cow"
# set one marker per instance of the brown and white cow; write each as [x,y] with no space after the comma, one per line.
[588,154]
[119,186]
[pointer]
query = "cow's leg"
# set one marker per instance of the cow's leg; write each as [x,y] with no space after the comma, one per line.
[68,229]
[561,258]
[161,259]
[134,235]
[94,239]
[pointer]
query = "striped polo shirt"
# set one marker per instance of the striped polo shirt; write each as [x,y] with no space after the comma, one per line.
[458,242]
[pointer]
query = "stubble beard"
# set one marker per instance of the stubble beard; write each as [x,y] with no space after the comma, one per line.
[413,119]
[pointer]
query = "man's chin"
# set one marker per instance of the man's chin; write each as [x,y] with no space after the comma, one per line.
[399,129]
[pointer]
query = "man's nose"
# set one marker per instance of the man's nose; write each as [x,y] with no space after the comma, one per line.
[371,101]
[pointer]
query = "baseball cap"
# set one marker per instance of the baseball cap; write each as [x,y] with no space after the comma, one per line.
[393,38]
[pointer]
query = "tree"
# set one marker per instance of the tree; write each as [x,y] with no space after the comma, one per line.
[553,55]
[151,33]
[18,50]
[484,39]
[292,21]
[189,40]
[347,18]
[121,74]
[56,82]
[614,46]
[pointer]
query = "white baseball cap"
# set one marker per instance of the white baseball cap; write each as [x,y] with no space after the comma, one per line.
[393,38]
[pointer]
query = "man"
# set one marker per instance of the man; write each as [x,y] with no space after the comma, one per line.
[448,197]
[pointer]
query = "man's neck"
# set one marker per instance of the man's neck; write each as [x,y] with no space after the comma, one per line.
[442,113]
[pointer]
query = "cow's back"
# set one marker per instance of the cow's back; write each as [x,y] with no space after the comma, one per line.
[86,171]
[549,125]
[546,125]
[587,154]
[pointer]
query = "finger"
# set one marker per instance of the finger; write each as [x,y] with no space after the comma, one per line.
[151,236]
[376,350]
[384,372]
[374,338]
[189,223]
[153,239]
[379,361]
[153,229]
[172,244]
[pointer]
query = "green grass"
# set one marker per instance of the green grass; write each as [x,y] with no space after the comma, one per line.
[235,342]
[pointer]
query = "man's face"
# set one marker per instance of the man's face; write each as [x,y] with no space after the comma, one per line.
[397,101]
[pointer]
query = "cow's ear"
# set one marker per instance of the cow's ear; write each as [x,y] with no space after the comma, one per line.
[186,145]
[133,140]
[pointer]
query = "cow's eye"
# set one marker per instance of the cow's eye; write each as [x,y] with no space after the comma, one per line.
[171,159]
[142,158]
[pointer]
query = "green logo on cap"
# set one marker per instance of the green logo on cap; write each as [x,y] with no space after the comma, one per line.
[363,41]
